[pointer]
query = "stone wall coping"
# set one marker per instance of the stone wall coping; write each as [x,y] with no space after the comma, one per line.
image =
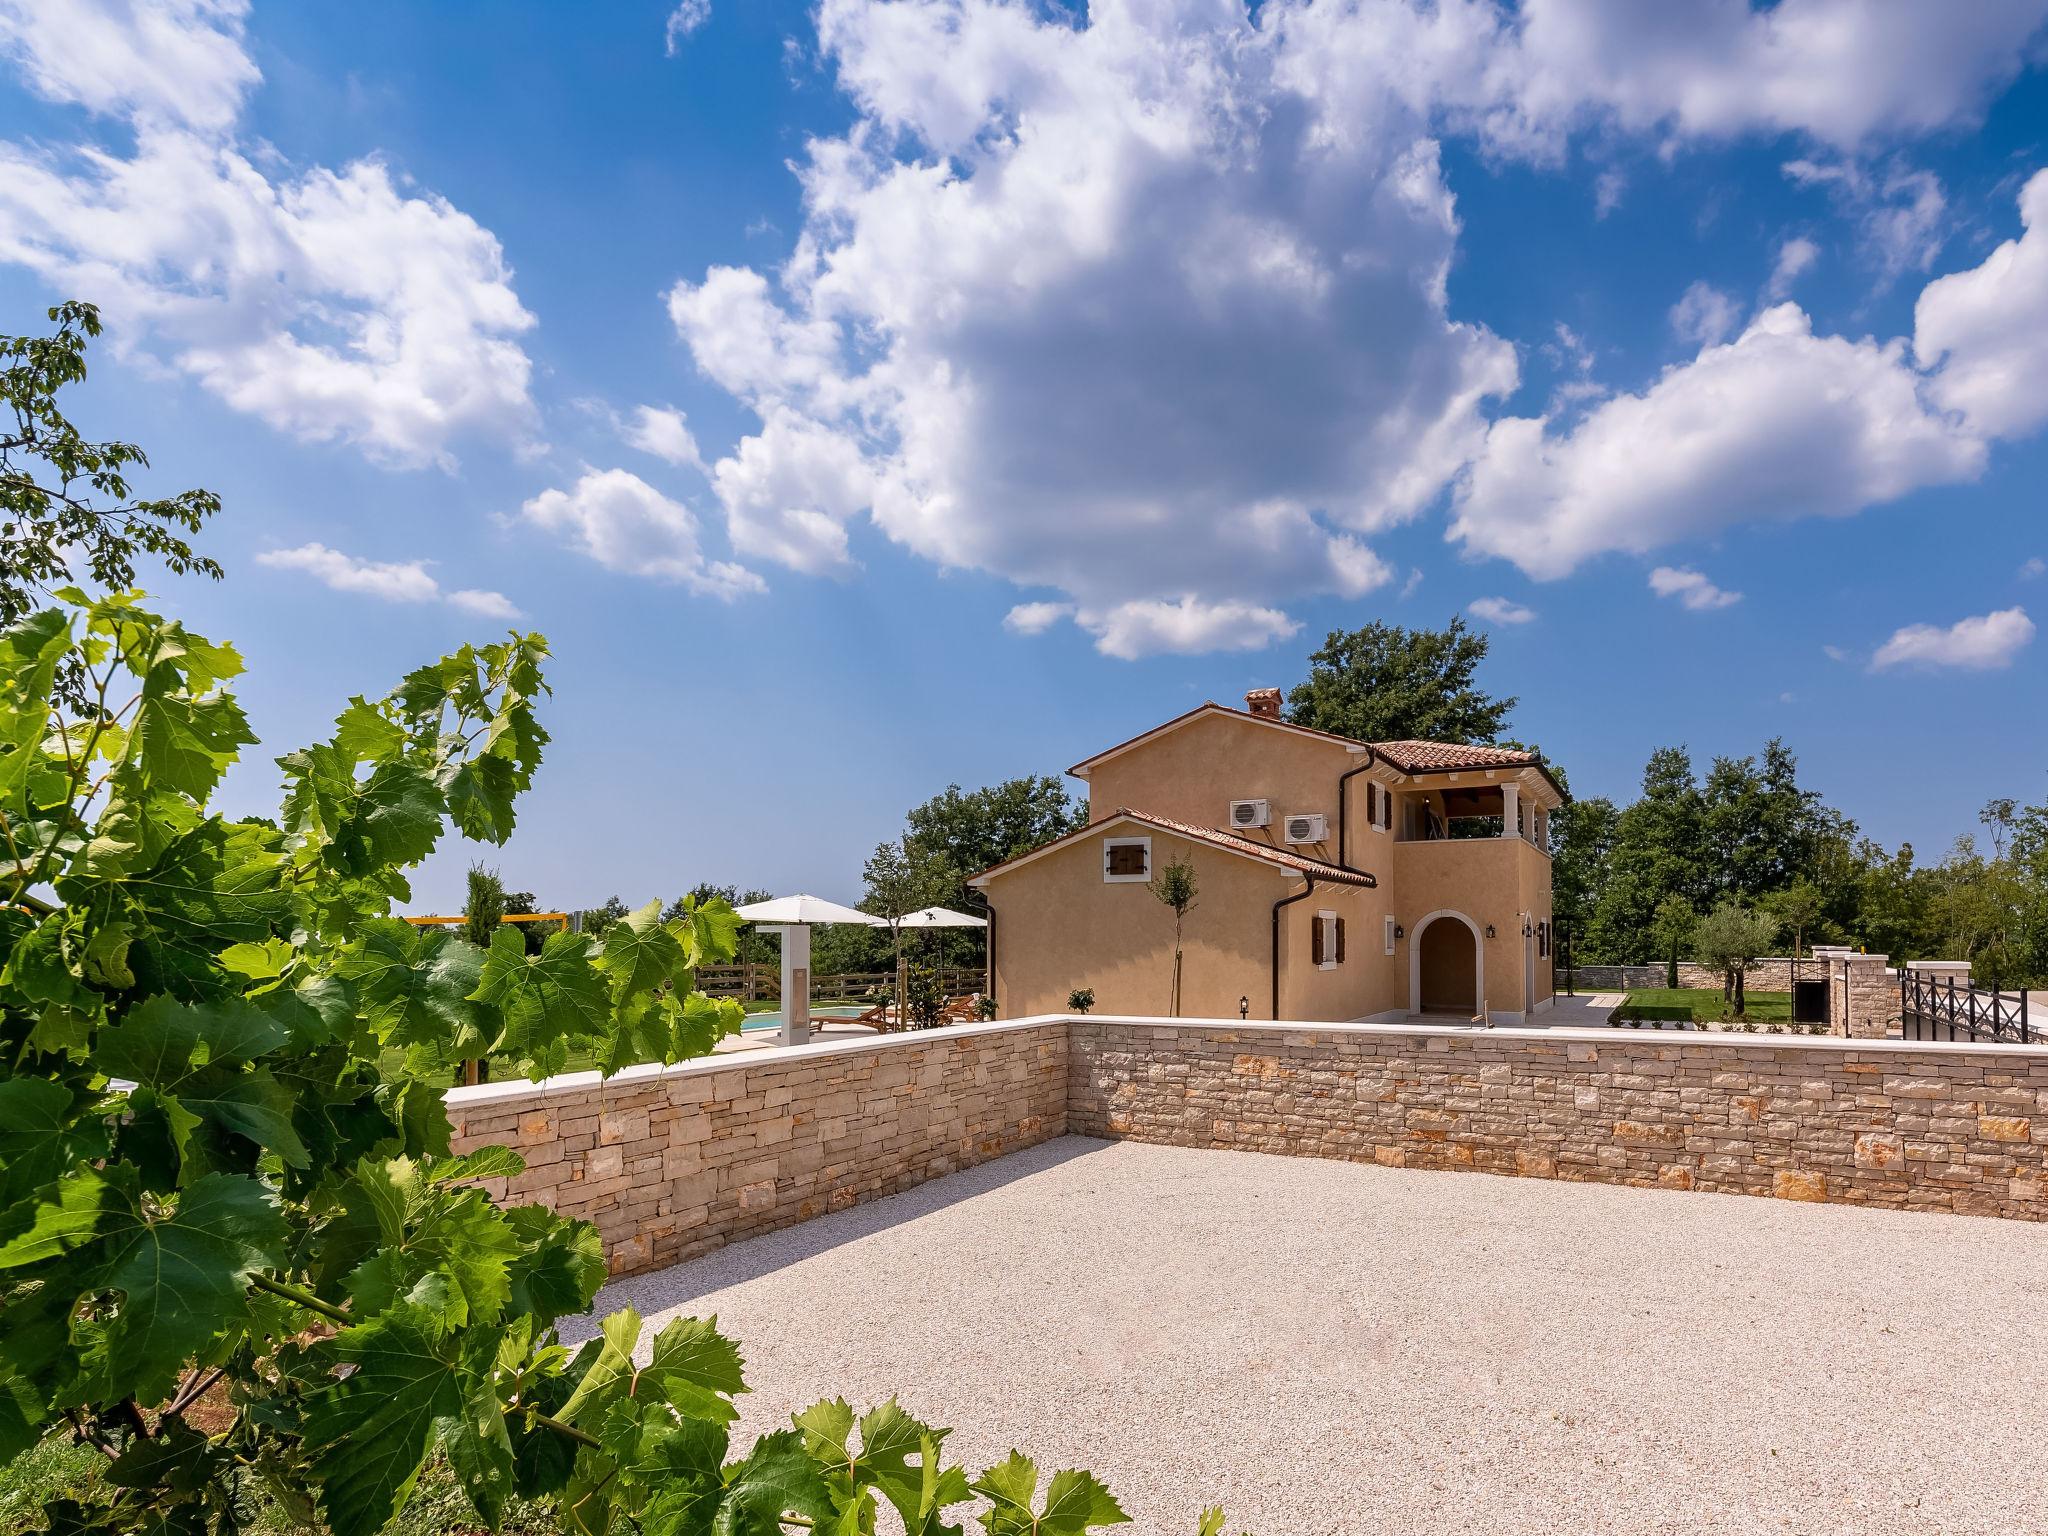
[737,1061]
[778,1056]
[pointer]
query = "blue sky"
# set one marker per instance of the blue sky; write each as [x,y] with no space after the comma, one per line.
[873,396]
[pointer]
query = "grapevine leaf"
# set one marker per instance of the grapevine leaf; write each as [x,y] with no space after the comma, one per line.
[38,1228]
[183,1278]
[608,1374]
[696,1369]
[483,1163]
[162,1041]
[561,1263]
[414,984]
[397,816]
[30,650]
[186,742]
[554,997]
[476,1440]
[640,953]
[370,1431]
[777,1477]
[427,1230]
[1074,1501]
[480,794]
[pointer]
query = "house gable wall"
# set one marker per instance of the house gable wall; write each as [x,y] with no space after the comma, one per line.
[1194,771]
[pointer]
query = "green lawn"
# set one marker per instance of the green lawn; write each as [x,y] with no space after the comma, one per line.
[1707,1003]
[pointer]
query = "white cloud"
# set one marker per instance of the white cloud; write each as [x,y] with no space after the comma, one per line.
[333,305]
[485,605]
[1834,653]
[1979,644]
[159,61]
[1901,212]
[1036,618]
[2032,567]
[1691,588]
[1151,241]
[662,431]
[626,525]
[1986,330]
[1704,315]
[1498,610]
[1841,71]
[1777,424]
[395,581]
[682,21]
[1166,276]
[1795,257]
[1187,626]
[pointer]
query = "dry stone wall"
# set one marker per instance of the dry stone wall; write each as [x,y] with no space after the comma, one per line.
[670,1163]
[673,1162]
[1768,975]
[1859,1122]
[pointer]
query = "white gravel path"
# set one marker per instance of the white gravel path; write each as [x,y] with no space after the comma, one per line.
[1333,1347]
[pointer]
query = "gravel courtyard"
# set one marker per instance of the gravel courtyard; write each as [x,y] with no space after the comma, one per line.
[1331,1347]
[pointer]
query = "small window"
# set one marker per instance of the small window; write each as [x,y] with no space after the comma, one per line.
[1326,941]
[1127,858]
[1390,935]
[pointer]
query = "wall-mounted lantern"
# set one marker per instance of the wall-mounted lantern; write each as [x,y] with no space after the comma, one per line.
[1400,932]
[1244,1007]
[1490,933]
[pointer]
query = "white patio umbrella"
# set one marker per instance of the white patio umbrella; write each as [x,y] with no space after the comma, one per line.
[944,917]
[941,917]
[794,916]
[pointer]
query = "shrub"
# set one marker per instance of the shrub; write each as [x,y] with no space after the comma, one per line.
[1081,999]
[225,1165]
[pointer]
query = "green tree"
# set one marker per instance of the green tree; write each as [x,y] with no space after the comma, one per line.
[595,921]
[484,906]
[1657,851]
[1176,887]
[904,877]
[225,1160]
[67,511]
[1386,683]
[1798,907]
[1672,927]
[1581,839]
[1728,938]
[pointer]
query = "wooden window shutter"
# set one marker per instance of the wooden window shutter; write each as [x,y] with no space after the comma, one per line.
[1372,803]
[1340,941]
[1315,942]
[1127,859]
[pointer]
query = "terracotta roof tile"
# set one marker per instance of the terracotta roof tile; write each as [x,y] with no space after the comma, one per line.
[1424,756]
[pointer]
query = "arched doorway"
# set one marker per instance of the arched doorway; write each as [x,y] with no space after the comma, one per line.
[1447,966]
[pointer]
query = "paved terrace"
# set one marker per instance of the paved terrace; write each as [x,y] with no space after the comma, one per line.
[1336,1347]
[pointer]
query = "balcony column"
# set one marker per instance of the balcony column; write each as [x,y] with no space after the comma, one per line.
[1510,798]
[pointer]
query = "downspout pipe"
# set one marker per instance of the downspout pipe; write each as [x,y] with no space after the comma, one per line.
[988,953]
[1303,894]
[1344,811]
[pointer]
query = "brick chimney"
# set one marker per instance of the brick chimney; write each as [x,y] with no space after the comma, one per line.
[1264,702]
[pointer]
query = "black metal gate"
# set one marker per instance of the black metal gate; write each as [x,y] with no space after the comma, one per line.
[1812,992]
[1938,1009]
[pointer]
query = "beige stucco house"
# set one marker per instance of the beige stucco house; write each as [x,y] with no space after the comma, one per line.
[1338,879]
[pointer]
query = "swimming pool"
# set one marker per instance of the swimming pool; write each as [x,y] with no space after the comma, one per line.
[830,1011]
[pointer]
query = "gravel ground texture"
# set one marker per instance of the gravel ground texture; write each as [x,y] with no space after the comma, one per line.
[1332,1347]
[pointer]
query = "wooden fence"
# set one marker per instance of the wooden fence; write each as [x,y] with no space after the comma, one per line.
[756,983]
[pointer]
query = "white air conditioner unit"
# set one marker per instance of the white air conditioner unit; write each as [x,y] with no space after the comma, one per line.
[1250,813]
[1306,829]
